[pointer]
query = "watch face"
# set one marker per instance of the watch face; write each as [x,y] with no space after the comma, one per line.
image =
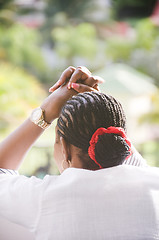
[36,114]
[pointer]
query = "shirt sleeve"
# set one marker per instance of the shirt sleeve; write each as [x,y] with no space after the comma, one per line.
[20,198]
[8,171]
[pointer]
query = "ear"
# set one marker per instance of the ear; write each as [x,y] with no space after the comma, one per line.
[65,149]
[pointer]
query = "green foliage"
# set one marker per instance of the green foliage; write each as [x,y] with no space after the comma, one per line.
[60,13]
[39,160]
[153,116]
[7,12]
[147,33]
[119,49]
[150,151]
[145,57]
[20,46]
[5,4]
[44,165]
[139,51]
[19,93]
[133,8]
[121,3]
[74,41]
[73,8]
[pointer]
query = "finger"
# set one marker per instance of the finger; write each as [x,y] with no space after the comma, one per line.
[54,87]
[63,78]
[98,79]
[96,87]
[80,88]
[93,80]
[84,69]
[79,74]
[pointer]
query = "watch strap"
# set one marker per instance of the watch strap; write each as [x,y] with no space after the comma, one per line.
[43,124]
[41,121]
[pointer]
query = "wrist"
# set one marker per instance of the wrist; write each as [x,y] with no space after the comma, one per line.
[53,104]
[38,118]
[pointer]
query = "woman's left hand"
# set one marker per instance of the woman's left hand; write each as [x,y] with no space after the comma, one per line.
[71,82]
[77,75]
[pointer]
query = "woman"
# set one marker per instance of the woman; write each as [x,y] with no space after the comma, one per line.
[79,204]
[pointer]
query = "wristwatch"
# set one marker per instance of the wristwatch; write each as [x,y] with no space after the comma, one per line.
[37,117]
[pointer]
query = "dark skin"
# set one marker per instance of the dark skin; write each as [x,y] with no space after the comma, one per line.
[65,154]
[15,146]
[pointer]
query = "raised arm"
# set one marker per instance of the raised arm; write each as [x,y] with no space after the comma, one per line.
[15,146]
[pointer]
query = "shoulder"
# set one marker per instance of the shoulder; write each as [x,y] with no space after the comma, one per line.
[10,177]
[120,176]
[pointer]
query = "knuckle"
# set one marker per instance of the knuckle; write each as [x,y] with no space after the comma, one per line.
[71,68]
[80,67]
[91,79]
[79,70]
[84,69]
[95,79]
[79,88]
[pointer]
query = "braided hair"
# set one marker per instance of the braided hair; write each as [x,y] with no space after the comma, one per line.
[82,115]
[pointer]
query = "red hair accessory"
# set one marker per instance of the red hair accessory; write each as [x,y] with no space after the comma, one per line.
[101,131]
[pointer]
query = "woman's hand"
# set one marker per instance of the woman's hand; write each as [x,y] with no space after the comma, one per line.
[71,82]
[77,75]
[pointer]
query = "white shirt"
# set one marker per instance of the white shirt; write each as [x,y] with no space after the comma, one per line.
[119,203]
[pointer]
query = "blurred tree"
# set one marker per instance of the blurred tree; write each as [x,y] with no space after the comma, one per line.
[133,8]
[19,45]
[139,51]
[19,93]
[64,12]
[7,12]
[75,41]
[73,8]
[153,116]
[146,34]
[150,148]
[118,48]
[145,56]
[147,61]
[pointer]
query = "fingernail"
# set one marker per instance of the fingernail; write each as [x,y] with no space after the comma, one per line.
[57,84]
[69,86]
[75,85]
[51,89]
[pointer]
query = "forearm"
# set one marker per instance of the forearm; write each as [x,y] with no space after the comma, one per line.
[15,146]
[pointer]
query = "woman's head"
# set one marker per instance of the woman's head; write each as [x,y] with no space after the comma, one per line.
[81,116]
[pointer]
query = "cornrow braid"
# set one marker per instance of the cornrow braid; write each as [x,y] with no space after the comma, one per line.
[82,115]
